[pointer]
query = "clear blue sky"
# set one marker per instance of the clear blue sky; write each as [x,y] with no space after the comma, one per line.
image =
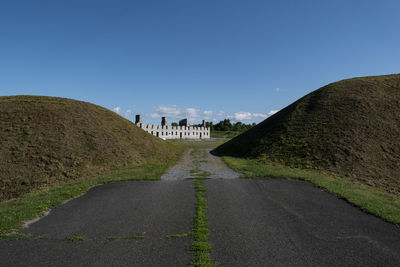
[204,59]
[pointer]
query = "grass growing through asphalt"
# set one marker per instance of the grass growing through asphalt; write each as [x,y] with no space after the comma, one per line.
[18,236]
[178,235]
[199,173]
[198,178]
[201,246]
[369,199]
[15,211]
[198,158]
[75,238]
[126,237]
[201,233]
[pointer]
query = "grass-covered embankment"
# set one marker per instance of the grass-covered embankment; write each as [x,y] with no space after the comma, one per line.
[350,128]
[368,198]
[47,141]
[15,211]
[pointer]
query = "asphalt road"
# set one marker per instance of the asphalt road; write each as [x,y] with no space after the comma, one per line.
[153,209]
[252,222]
[293,223]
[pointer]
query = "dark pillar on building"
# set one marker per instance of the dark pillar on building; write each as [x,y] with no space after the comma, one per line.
[138,119]
[204,123]
[163,121]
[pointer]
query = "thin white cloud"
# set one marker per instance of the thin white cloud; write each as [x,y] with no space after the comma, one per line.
[211,115]
[128,113]
[173,112]
[208,112]
[240,116]
[117,109]
[192,114]
[259,115]
[277,89]
[243,115]
[272,112]
[164,111]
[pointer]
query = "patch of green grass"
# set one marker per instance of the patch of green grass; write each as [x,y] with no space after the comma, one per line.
[201,246]
[198,155]
[18,236]
[126,237]
[194,171]
[204,143]
[194,153]
[177,235]
[224,134]
[15,211]
[199,173]
[75,238]
[91,144]
[369,199]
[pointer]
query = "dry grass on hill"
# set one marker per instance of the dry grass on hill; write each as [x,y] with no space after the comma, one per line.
[47,140]
[350,128]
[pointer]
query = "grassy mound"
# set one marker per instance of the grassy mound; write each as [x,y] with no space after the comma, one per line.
[48,140]
[350,128]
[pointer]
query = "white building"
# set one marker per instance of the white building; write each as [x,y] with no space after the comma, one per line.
[165,131]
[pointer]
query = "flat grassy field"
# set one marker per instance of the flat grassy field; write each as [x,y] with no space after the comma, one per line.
[370,199]
[224,134]
[197,144]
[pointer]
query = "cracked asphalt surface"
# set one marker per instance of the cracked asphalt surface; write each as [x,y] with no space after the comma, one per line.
[253,222]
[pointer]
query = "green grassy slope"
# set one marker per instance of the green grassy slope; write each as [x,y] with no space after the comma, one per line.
[350,128]
[48,140]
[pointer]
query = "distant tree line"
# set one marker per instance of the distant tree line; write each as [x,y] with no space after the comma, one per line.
[182,122]
[227,125]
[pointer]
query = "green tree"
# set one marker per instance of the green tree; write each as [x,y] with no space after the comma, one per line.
[183,122]
[224,125]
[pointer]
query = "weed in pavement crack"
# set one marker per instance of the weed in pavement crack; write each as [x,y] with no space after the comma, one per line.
[126,237]
[18,236]
[201,246]
[74,239]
